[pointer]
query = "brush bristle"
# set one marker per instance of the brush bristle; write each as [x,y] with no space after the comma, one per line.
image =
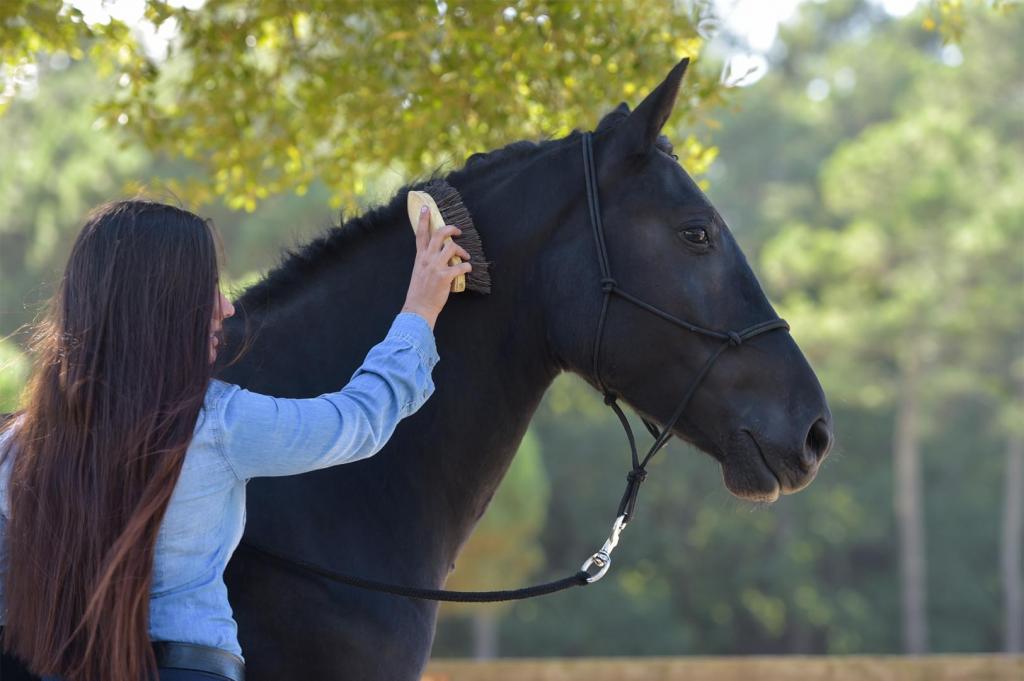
[454,212]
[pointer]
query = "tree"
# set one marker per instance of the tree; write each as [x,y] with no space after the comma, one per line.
[892,285]
[64,165]
[772,155]
[1012,539]
[268,97]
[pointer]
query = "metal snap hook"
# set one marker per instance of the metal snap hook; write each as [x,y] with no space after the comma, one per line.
[603,558]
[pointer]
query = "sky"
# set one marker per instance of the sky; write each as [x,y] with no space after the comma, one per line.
[756,23]
[758,20]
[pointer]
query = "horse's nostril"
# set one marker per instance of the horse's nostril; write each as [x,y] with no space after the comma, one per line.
[819,441]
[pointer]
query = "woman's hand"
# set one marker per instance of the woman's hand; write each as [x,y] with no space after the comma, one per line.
[431,274]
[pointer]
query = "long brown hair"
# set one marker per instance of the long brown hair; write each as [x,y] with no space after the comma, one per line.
[121,366]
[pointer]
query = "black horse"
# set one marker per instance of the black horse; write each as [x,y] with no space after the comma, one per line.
[402,515]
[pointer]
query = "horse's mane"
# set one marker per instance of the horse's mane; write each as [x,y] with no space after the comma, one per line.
[295,265]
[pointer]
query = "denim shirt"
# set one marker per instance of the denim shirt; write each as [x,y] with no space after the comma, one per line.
[240,435]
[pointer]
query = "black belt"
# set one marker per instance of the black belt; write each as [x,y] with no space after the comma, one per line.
[197,658]
[194,657]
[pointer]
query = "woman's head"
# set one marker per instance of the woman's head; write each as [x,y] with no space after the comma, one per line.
[121,365]
[142,277]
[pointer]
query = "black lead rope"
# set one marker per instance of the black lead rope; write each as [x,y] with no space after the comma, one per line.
[579,579]
[595,567]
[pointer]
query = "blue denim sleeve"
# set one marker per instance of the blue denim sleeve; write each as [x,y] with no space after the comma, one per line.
[261,435]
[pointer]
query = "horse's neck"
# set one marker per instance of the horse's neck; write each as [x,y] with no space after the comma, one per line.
[496,360]
[446,463]
[493,372]
[472,426]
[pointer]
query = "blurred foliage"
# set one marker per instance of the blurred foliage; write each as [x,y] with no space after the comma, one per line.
[30,29]
[14,369]
[908,282]
[917,238]
[950,17]
[69,160]
[880,170]
[65,164]
[270,97]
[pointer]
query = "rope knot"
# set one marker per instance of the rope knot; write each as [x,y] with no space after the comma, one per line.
[608,283]
[610,397]
[734,338]
[638,474]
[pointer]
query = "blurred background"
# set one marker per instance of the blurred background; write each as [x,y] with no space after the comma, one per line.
[868,155]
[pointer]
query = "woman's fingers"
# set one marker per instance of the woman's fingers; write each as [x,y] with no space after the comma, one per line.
[438,237]
[452,271]
[423,229]
[452,249]
[432,276]
[443,249]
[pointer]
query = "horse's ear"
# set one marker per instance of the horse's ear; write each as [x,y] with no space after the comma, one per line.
[637,133]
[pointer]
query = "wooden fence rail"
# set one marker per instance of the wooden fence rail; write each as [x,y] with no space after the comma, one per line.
[776,668]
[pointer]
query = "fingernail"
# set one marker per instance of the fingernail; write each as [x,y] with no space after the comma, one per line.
[423,209]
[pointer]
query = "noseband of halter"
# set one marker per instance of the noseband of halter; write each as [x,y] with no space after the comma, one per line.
[610,286]
[597,565]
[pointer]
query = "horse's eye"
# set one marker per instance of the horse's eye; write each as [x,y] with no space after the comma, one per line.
[695,235]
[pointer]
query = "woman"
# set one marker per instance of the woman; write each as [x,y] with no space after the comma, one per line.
[122,479]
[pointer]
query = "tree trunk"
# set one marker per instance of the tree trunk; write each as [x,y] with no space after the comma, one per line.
[1010,547]
[485,634]
[909,510]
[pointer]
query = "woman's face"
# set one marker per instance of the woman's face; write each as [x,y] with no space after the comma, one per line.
[222,309]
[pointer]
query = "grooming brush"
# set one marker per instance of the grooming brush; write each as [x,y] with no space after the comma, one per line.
[446,208]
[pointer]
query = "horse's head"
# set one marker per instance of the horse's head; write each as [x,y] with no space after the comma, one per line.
[760,410]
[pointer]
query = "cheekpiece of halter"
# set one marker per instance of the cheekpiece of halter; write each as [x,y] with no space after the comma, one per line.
[602,560]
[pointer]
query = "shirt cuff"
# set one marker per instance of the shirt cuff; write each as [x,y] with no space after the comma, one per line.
[413,328]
